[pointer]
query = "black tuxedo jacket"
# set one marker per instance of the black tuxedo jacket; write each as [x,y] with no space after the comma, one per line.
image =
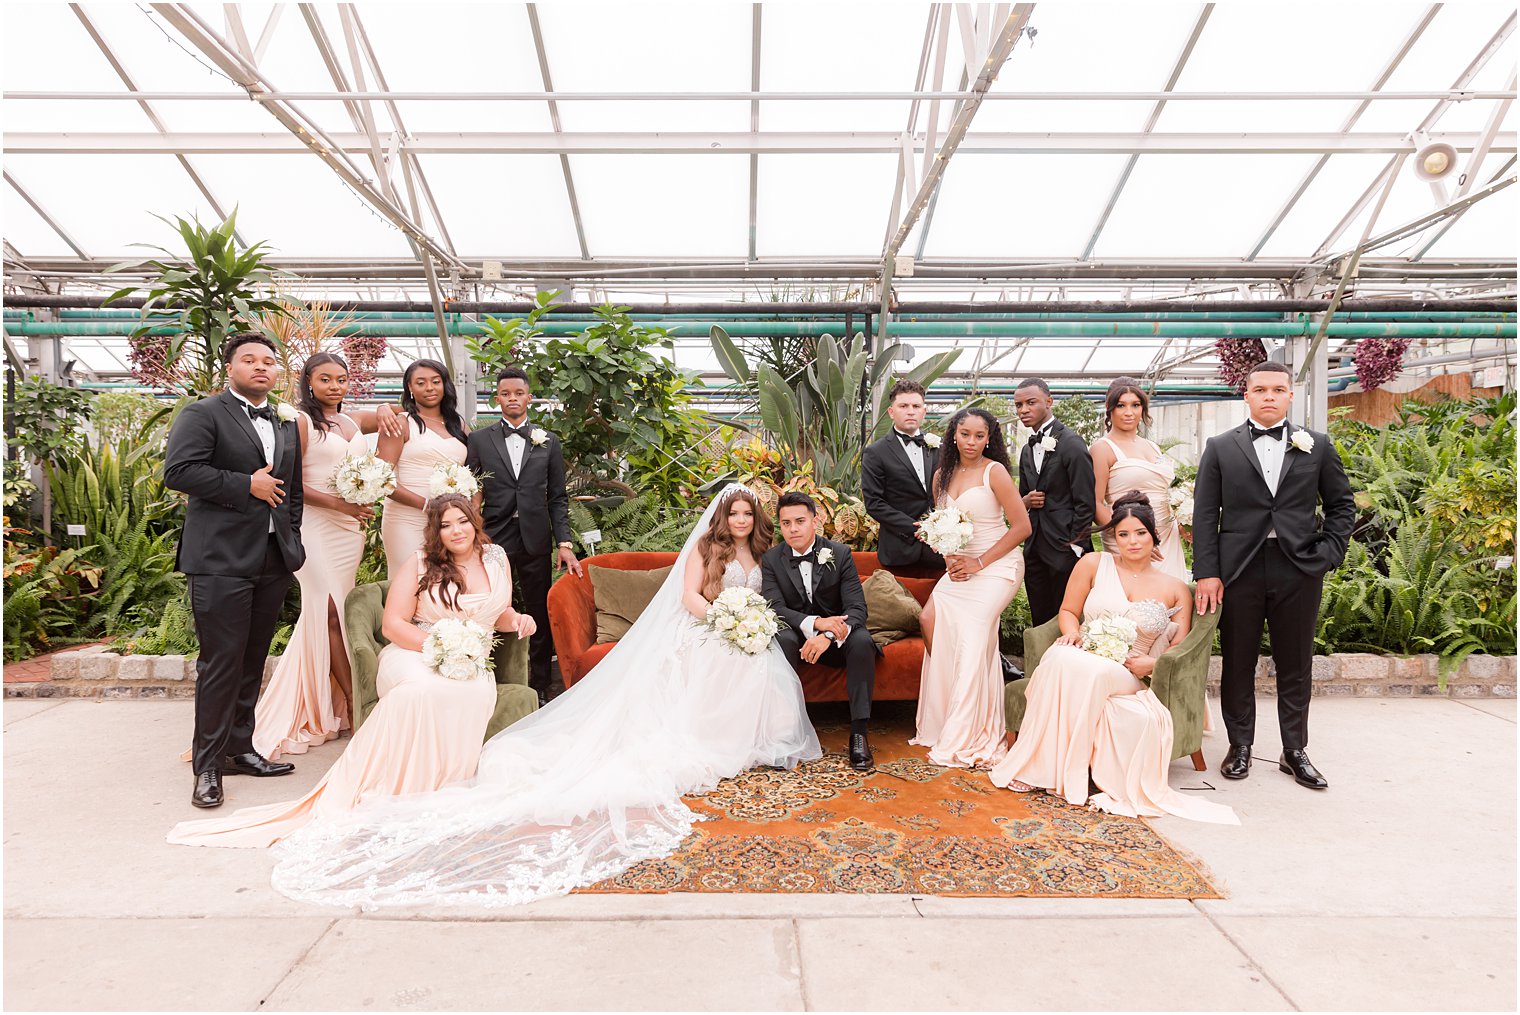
[534,500]
[1067,482]
[213,450]
[1233,510]
[896,496]
[836,587]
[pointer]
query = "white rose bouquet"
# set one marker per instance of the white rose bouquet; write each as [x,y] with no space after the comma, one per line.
[458,649]
[364,479]
[1109,636]
[451,477]
[742,619]
[947,530]
[1181,499]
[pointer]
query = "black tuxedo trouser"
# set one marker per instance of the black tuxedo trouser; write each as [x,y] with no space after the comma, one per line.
[235,619]
[928,565]
[1270,591]
[857,655]
[1045,584]
[532,574]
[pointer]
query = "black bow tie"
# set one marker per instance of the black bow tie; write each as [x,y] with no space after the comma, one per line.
[1036,437]
[263,412]
[520,431]
[1274,432]
[917,438]
[811,557]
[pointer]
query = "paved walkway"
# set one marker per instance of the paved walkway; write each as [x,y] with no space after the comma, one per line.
[1395,889]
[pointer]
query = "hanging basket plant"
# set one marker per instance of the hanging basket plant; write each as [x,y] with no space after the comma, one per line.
[1379,360]
[1237,357]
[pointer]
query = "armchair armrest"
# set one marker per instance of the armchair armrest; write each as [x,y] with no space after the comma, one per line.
[1037,641]
[511,657]
[363,610]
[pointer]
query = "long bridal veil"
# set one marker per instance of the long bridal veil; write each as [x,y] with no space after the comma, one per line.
[579,791]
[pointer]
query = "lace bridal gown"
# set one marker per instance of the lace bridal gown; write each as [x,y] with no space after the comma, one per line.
[580,790]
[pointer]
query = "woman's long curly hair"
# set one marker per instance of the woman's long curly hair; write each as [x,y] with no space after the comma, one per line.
[950,454]
[716,545]
[438,567]
[308,404]
[449,407]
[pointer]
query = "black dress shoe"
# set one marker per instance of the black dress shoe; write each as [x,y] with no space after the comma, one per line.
[1237,763]
[1297,764]
[861,758]
[253,763]
[208,790]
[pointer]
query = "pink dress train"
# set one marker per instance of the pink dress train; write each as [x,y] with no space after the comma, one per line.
[1087,714]
[425,733]
[960,698]
[400,525]
[1154,479]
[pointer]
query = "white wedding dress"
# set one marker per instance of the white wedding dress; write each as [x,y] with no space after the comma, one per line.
[580,790]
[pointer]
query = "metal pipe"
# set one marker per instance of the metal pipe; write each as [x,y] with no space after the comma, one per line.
[1451,95]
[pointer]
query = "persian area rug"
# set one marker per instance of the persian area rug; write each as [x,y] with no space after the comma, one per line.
[909,827]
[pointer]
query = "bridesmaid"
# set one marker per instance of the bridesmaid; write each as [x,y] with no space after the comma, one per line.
[435,435]
[427,729]
[307,699]
[960,700]
[1123,460]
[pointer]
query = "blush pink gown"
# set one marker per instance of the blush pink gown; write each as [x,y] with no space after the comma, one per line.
[1087,714]
[1154,479]
[425,733]
[400,525]
[960,698]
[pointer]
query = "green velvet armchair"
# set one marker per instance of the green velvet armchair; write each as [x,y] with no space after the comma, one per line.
[1179,680]
[363,611]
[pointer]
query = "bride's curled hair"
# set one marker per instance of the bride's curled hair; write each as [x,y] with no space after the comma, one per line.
[1138,506]
[717,546]
[438,567]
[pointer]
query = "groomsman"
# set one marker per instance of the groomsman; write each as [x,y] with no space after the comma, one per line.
[239,460]
[1056,482]
[524,502]
[1261,551]
[895,475]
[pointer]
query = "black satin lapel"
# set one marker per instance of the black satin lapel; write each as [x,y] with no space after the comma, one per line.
[1291,455]
[499,444]
[239,416]
[279,443]
[1250,453]
[795,572]
[907,460]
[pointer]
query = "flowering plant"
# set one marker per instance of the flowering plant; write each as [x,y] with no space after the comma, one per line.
[742,619]
[451,477]
[1181,499]
[947,530]
[1109,636]
[458,649]
[364,479]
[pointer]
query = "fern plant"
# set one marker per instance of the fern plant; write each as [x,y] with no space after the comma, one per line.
[638,525]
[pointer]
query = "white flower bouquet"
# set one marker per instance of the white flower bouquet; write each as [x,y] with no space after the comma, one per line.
[450,477]
[1109,636]
[1181,499]
[742,619]
[458,649]
[947,530]
[364,479]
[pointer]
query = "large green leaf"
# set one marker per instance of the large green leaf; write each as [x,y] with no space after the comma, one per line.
[730,356]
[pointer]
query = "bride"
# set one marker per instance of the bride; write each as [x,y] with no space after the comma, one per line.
[591,784]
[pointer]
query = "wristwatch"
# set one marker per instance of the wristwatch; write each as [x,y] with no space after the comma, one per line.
[830,636]
[567,546]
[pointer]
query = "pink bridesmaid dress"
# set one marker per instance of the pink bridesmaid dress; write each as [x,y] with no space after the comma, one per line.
[1154,479]
[401,526]
[960,698]
[1087,714]
[425,733]
[296,711]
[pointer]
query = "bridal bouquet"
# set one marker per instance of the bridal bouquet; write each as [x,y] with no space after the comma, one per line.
[364,479]
[743,619]
[947,530]
[1109,636]
[1181,500]
[458,649]
[451,477]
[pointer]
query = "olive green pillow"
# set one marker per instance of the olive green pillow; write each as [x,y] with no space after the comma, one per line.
[621,596]
[891,611]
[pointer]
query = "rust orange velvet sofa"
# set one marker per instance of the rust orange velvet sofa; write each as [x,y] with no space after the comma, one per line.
[572,622]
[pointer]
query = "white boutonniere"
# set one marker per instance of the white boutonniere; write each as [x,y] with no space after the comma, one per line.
[1302,441]
[539,437]
[286,412]
[825,557]
[931,441]
[1048,442]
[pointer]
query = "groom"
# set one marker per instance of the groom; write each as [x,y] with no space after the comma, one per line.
[815,590]
[895,475]
[239,460]
[1260,551]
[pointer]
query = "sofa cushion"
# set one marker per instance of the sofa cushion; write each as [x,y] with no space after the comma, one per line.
[621,596]
[891,611]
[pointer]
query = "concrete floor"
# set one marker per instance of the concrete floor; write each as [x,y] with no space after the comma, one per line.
[1395,889]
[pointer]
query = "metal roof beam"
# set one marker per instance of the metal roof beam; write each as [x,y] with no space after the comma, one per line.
[754,126]
[1451,94]
[564,158]
[42,213]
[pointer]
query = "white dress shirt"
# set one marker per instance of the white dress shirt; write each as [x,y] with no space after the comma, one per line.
[806,570]
[515,448]
[265,430]
[1271,453]
[1041,432]
[915,453]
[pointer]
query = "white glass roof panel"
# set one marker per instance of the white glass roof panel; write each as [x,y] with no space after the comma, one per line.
[663,205]
[25,229]
[503,205]
[823,205]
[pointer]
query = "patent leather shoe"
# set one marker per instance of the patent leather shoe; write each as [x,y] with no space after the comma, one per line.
[254,763]
[1297,764]
[861,758]
[1237,763]
[208,790]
